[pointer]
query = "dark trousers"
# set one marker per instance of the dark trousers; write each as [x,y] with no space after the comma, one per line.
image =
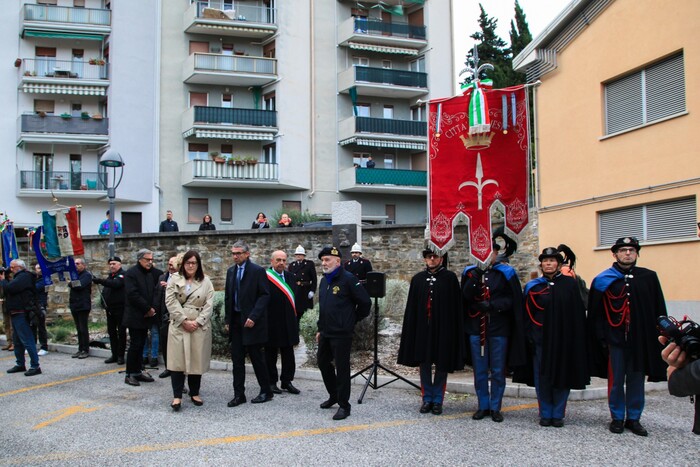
[288,363]
[432,387]
[23,340]
[257,358]
[80,318]
[133,355]
[335,378]
[625,386]
[163,342]
[39,329]
[117,333]
[177,379]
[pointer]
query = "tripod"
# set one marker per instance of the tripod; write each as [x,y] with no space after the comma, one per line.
[375,366]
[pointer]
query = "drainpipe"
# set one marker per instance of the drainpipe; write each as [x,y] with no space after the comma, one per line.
[312,99]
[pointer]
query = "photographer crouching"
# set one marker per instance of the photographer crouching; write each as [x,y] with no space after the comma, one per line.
[682,354]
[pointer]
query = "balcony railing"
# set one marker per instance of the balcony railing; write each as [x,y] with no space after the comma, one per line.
[390,126]
[391,177]
[59,181]
[394,77]
[61,14]
[210,170]
[382,28]
[234,63]
[230,116]
[52,68]
[238,11]
[31,123]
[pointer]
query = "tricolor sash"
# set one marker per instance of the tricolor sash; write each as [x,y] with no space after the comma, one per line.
[281,284]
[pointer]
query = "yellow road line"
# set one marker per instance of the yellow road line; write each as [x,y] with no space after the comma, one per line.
[7,358]
[65,413]
[57,383]
[63,456]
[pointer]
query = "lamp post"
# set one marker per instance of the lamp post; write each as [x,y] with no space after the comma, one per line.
[112,160]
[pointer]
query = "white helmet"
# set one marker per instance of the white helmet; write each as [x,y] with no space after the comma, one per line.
[300,251]
[356,249]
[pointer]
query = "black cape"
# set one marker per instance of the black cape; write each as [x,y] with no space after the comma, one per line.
[437,339]
[558,307]
[646,304]
[282,326]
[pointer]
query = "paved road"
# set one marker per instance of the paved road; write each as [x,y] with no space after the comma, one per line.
[80,412]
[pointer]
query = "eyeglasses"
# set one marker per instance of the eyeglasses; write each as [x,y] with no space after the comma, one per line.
[627,250]
[238,253]
[191,263]
[147,259]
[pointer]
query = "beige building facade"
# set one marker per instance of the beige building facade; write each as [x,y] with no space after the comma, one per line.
[615,130]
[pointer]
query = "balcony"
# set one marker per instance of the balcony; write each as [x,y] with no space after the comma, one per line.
[228,123]
[59,22]
[229,70]
[393,181]
[50,76]
[383,82]
[207,173]
[381,36]
[62,130]
[384,133]
[244,20]
[88,185]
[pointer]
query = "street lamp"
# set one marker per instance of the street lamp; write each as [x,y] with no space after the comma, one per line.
[112,160]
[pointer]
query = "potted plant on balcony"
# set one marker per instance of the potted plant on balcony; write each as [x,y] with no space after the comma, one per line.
[251,160]
[216,157]
[66,116]
[85,115]
[236,161]
[97,116]
[96,61]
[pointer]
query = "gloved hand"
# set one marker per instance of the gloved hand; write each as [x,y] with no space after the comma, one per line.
[311,295]
[97,280]
[483,306]
[477,272]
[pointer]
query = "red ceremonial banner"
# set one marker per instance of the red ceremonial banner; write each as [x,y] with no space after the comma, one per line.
[469,173]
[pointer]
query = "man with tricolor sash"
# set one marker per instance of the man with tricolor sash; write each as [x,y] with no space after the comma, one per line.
[282,326]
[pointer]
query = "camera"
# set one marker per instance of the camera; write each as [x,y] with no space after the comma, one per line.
[685,334]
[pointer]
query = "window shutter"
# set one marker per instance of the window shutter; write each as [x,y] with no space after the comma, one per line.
[623,103]
[665,89]
[620,223]
[671,219]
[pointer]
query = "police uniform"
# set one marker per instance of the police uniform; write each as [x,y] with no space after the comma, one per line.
[359,267]
[304,277]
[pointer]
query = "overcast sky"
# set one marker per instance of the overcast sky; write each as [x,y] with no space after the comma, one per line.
[539,13]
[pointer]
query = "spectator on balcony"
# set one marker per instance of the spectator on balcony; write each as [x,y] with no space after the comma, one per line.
[104,226]
[285,221]
[370,164]
[260,222]
[168,225]
[207,224]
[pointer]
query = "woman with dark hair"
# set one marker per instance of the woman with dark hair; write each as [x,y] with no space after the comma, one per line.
[189,298]
[260,222]
[207,224]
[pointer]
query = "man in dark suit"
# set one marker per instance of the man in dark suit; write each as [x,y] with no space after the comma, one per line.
[246,299]
[283,329]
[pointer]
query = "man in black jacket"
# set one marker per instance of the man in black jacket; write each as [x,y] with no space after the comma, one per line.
[162,313]
[246,298]
[80,301]
[114,296]
[168,225]
[20,296]
[342,302]
[304,272]
[140,281]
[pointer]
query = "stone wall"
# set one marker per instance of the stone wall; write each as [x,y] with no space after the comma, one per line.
[393,249]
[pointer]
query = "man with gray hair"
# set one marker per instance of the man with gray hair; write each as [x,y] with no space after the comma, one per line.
[20,299]
[80,301]
[140,281]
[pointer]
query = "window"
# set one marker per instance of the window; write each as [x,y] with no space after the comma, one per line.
[79,3]
[269,50]
[227,49]
[47,2]
[417,65]
[654,93]
[269,101]
[386,64]
[198,98]
[363,110]
[197,151]
[227,101]
[291,206]
[388,111]
[359,158]
[196,209]
[44,106]
[389,161]
[390,211]
[226,210]
[667,220]
[270,154]
[131,222]
[76,108]
[418,113]
[360,61]
[227,150]
[199,47]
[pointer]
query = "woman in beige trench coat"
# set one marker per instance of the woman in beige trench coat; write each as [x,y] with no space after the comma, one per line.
[189,298]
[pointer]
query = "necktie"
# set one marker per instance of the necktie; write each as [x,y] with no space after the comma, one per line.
[239,277]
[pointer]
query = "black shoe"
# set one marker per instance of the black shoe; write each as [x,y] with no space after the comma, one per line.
[196,402]
[83,355]
[545,422]
[111,360]
[176,406]
[496,416]
[76,355]
[32,372]
[275,389]
[145,361]
[154,363]
[143,377]
[342,413]
[120,361]
[329,403]
[557,422]
[426,407]
[17,369]
[262,397]
[634,426]
[437,409]
[236,401]
[480,414]
[131,381]
[165,374]
[289,387]
[617,426]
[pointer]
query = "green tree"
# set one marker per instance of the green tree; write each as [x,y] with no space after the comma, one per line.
[520,37]
[491,49]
